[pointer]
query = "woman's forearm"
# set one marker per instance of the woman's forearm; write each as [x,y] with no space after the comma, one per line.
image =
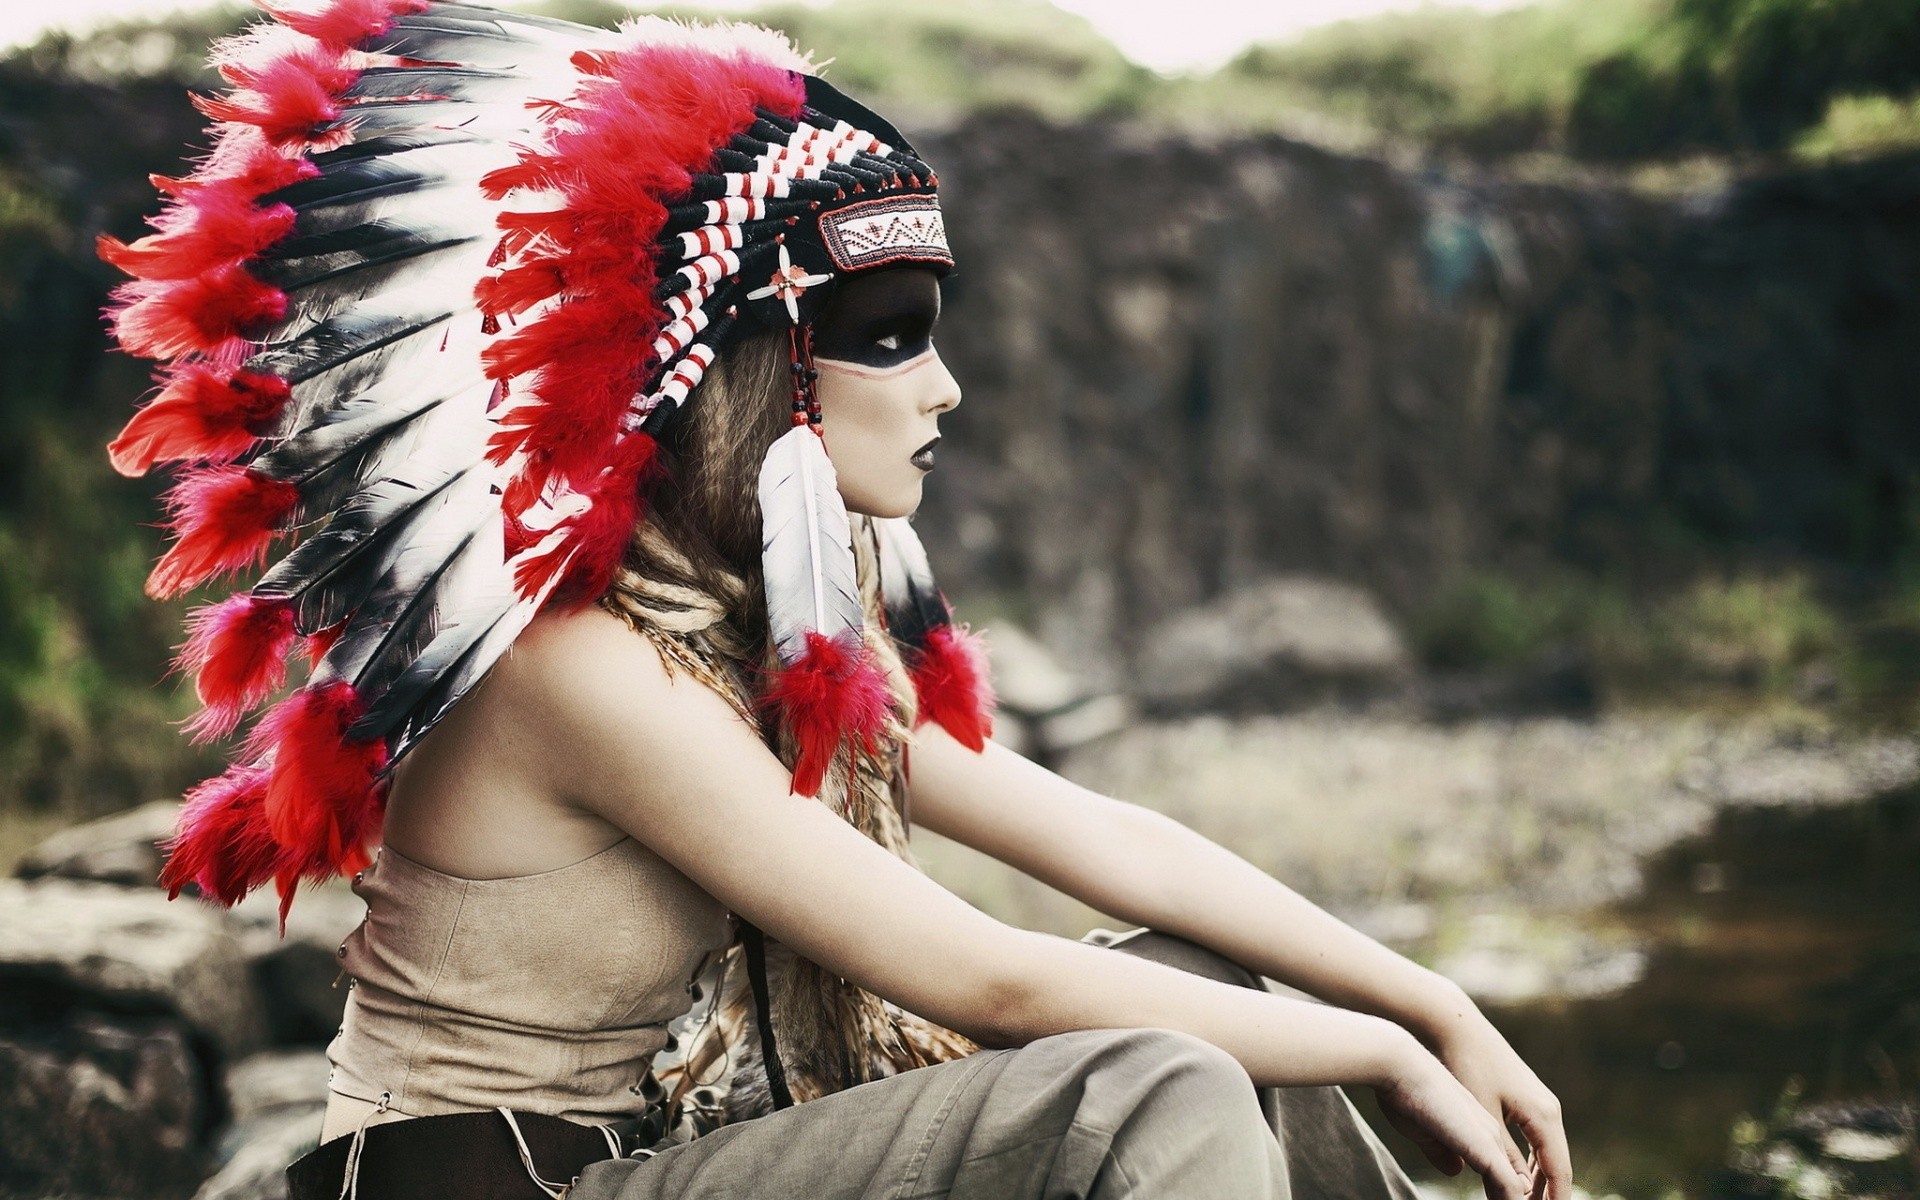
[1053,985]
[1190,886]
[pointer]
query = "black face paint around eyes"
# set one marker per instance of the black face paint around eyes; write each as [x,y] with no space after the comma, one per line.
[880,320]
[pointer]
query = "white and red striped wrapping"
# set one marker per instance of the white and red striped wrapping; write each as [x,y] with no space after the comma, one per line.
[735,209]
[756,185]
[687,375]
[675,337]
[681,305]
[710,270]
[711,239]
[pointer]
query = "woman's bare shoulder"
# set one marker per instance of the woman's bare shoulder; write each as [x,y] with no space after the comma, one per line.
[589,687]
[563,658]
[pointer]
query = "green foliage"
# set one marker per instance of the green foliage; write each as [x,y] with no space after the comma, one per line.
[1765,637]
[926,62]
[1611,80]
[1487,82]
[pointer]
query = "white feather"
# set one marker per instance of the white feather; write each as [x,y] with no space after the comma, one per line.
[806,544]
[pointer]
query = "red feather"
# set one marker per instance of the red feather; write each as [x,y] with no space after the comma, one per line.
[324,794]
[213,226]
[835,691]
[237,652]
[321,640]
[954,687]
[223,519]
[343,23]
[639,125]
[288,87]
[242,161]
[222,844]
[198,315]
[200,414]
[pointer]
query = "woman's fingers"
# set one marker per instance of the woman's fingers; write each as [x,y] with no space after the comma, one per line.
[1548,1137]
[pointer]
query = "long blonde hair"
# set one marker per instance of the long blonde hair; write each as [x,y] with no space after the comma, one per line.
[691,584]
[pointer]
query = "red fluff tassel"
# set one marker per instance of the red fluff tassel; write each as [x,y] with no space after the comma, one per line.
[213,226]
[324,793]
[342,23]
[835,691]
[286,97]
[199,315]
[237,652]
[223,518]
[954,687]
[222,844]
[200,414]
[243,163]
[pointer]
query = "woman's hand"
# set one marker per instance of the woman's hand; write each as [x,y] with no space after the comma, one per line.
[1437,1113]
[1490,1070]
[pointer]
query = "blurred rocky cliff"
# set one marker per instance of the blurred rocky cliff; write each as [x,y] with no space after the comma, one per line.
[1189,365]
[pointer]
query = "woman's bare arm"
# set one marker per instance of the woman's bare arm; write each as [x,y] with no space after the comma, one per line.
[667,760]
[1143,867]
[670,762]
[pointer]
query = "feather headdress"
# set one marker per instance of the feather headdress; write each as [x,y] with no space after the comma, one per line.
[423,310]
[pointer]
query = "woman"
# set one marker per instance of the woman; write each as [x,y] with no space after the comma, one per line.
[554,330]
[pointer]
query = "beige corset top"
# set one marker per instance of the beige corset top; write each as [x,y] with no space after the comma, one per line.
[547,992]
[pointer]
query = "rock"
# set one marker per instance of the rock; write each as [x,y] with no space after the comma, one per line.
[258,1166]
[279,1101]
[1027,678]
[299,975]
[272,1081]
[96,1106]
[1045,709]
[117,849]
[70,944]
[1278,644]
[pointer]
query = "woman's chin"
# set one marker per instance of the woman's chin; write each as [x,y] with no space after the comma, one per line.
[902,501]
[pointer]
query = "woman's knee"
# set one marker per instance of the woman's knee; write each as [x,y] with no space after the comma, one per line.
[1148,1074]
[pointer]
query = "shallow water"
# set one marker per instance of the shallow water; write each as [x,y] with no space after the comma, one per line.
[1782,954]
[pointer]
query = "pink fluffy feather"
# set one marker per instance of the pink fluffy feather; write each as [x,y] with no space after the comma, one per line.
[199,315]
[222,844]
[342,23]
[201,413]
[223,519]
[834,691]
[953,685]
[324,794]
[236,651]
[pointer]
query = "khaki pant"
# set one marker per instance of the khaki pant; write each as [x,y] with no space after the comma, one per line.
[1094,1114]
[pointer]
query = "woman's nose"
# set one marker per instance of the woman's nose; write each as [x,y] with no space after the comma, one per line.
[943,389]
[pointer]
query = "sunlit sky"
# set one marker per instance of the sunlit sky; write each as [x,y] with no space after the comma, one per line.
[1169,35]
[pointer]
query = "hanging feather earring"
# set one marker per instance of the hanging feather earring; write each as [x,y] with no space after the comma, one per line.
[947,662]
[829,687]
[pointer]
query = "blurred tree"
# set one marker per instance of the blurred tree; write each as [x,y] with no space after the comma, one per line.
[1743,75]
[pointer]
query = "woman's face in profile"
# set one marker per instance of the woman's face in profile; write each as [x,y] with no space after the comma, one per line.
[882,387]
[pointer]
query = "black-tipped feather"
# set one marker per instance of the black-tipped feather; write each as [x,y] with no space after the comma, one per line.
[445,671]
[386,258]
[330,574]
[912,600]
[405,609]
[345,340]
